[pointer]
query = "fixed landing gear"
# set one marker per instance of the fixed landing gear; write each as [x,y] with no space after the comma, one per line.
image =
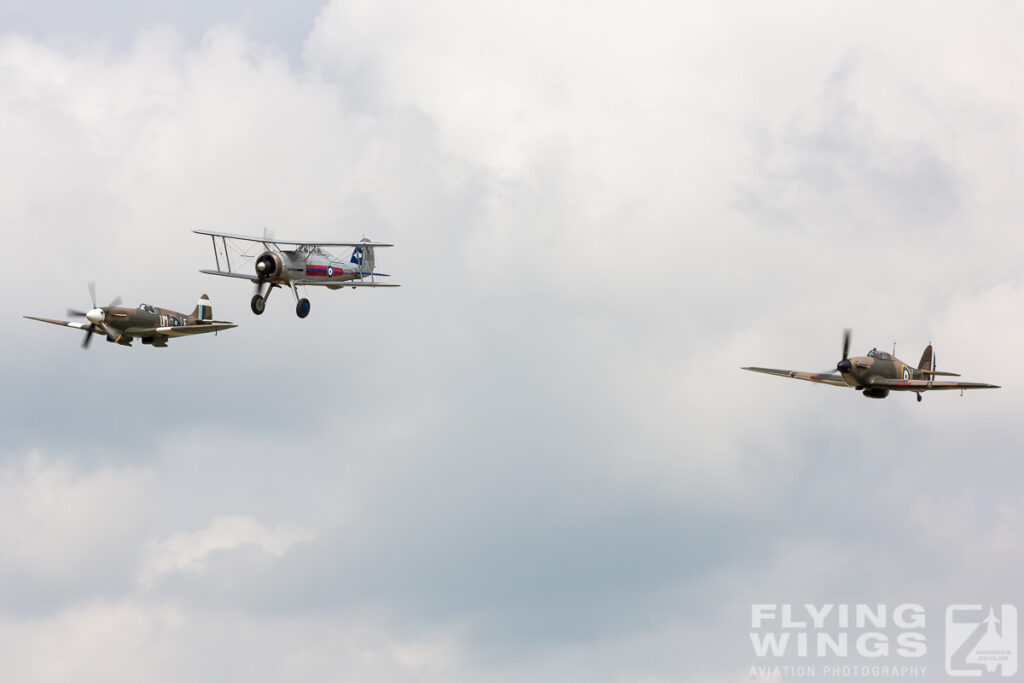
[301,305]
[258,303]
[919,398]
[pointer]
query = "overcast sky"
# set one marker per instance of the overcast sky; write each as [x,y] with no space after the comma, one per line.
[537,459]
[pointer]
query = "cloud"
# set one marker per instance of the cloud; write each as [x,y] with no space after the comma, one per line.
[832,161]
[538,458]
[67,528]
[159,641]
[190,551]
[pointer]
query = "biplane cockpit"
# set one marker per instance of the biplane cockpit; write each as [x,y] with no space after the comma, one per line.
[309,250]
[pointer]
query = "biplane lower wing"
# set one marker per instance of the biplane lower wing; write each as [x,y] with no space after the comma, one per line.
[241,276]
[927,385]
[340,283]
[818,378]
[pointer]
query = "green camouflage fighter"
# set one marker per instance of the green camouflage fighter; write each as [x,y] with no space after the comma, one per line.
[152,325]
[878,373]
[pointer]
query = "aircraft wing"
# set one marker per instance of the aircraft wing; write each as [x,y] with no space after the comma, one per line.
[340,283]
[180,330]
[243,276]
[833,379]
[274,240]
[927,385]
[65,323]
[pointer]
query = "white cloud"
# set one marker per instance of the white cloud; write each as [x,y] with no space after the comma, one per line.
[129,640]
[63,524]
[189,552]
[601,213]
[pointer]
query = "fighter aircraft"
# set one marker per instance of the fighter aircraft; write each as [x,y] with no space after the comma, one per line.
[308,263]
[152,325]
[878,373]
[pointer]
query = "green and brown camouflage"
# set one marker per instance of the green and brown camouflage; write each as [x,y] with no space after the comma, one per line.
[879,372]
[151,325]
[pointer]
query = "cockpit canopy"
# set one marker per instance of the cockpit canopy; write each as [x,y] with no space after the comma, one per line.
[147,308]
[307,249]
[880,355]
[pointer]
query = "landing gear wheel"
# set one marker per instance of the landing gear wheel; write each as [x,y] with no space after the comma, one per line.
[919,398]
[302,308]
[258,304]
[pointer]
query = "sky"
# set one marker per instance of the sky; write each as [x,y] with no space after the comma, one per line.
[538,459]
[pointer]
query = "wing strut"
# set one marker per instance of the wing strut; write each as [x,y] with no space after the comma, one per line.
[215,257]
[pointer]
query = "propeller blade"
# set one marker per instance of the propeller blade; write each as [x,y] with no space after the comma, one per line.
[76,314]
[88,337]
[846,343]
[115,302]
[92,292]
[111,334]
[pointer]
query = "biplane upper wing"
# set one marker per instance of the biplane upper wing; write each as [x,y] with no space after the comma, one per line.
[274,240]
[180,330]
[928,385]
[834,380]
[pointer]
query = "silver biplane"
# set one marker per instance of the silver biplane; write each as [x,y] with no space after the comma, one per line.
[304,264]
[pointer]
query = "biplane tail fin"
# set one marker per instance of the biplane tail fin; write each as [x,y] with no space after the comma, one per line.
[203,311]
[362,257]
[927,359]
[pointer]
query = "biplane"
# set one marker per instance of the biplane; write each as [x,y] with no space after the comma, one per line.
[880,372]
[152,325]
[305,264]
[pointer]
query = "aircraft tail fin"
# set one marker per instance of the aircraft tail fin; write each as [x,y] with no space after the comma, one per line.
[203,311]
[927,360]
[927,365]
[362,257]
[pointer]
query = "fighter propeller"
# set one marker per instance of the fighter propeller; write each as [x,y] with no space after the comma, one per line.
[95,316]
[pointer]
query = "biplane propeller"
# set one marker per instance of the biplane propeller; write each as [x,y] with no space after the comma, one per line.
[148,323]
[302,264]
[879,372]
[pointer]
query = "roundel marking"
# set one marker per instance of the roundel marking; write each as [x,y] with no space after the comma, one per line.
[906,372]
[330,271]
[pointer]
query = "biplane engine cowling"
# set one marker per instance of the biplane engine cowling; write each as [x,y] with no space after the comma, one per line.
[876,393]
[269,266]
